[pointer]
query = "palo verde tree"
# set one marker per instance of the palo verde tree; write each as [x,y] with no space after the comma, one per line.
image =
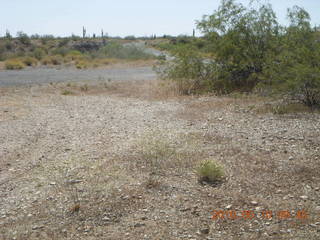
[296,69]
[242,40]
[248,49]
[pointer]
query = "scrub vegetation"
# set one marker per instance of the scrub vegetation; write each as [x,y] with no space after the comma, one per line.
[246,49]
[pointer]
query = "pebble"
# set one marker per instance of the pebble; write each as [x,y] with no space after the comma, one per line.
[229,207]
[139,225]
[205,231]
[304,197]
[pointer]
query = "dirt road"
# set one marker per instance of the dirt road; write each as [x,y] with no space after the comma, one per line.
[34,76]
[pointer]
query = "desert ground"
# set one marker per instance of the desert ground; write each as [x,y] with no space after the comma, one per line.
[98,158]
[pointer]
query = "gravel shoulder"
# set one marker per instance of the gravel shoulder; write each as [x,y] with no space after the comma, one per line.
[116,161]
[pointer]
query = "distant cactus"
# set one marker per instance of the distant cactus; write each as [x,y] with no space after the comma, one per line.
[84,31]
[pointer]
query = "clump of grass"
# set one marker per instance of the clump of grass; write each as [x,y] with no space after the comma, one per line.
[52,60]
[82,65]
[66,92]
[210,171]
[84,88]
[152,182]
[156,152]
[290,108]
[285,108]
[14,64]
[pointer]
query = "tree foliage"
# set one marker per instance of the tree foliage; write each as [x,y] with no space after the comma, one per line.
[251,49]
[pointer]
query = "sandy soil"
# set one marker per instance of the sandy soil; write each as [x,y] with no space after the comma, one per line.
[116,161]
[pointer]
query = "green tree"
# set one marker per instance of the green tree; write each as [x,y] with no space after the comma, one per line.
[296,70]
[242,40]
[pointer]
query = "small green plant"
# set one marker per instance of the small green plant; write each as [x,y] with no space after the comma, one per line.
[66,92]
[210,171]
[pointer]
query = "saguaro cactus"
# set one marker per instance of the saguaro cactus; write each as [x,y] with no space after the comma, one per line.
[84,31]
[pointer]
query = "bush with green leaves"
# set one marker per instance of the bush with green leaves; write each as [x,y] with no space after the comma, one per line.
[39,53]
[296,69]
[249,49]
[190,73]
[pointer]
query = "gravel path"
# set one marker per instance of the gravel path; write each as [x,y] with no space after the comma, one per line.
[50,75]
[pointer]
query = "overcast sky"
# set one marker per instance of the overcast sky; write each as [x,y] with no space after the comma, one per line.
[120,17]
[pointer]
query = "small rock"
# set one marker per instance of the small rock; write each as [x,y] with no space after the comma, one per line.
[74,181]
[185,209]
[37,227]
[205,231]
[258,209]
[254,203]
[313,225]
[229,207]
[106,219]
[304,197]
[139,225]
[290,158]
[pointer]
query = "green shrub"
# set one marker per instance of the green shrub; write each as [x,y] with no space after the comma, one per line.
[210,171]
[52,60]
[63,51]
[187,70]
[119,51]
[247,48]
[39,53]
[14,64]
[73,55]
[24,38]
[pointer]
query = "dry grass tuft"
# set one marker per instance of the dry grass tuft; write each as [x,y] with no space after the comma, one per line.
[284,108]
[14,64]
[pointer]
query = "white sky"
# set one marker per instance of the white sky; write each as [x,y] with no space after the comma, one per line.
[121,17]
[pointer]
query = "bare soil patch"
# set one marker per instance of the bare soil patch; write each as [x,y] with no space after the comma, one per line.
[117,160]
